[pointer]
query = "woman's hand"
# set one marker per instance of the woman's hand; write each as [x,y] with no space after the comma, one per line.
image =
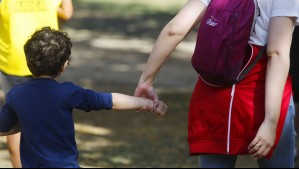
[147,91]
[264,140]
[278,52]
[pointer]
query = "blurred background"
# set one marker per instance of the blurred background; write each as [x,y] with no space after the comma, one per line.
[112,40]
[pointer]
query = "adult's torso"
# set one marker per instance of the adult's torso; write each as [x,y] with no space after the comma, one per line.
[18,20]
[266,10]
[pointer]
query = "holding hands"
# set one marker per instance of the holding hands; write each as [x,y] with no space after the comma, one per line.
[162,108]
[148,92]
[142,104]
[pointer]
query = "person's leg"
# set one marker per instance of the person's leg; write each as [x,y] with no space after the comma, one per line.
[283,157]
[296,128]
[218,161]
[13,141]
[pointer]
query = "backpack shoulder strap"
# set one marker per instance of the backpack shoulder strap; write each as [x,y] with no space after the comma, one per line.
[256,12]
[247,70]
[261,52]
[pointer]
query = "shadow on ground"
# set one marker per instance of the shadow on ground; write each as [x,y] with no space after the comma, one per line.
[132,139]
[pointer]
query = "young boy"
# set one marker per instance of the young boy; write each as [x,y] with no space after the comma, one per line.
[43,107]
[18,20]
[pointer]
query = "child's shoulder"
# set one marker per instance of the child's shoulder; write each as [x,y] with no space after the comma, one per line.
[67,84]
[39,85]
[71,86]
[19,86]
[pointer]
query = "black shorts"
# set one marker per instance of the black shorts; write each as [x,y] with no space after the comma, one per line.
[9,81]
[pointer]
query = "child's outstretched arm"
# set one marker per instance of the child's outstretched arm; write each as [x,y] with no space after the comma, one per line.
[125,102]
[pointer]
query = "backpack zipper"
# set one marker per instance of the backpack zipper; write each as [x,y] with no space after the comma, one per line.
[248,62]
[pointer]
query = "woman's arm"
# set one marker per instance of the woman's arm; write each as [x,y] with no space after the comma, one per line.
[172,34]
[279,42]
[66,10]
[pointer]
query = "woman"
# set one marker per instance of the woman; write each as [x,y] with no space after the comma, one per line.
[262,106]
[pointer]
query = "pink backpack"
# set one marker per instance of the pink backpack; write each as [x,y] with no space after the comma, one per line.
[219,57]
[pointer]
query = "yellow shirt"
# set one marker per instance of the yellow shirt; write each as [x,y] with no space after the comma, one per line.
[18,20]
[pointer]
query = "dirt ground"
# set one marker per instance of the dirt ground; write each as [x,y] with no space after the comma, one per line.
[109,53]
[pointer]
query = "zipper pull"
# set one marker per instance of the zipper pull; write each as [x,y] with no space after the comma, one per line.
[233,90]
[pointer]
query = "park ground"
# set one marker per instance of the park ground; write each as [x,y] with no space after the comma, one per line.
[112,40]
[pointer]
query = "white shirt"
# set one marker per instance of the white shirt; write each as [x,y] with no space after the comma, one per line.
[267,10]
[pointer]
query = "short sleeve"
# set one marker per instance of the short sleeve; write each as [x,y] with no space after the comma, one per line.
[206,2]
[288,8]
[8,118]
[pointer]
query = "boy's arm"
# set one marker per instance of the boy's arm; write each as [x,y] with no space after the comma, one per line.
[66,10]
[126,102]
[89,100]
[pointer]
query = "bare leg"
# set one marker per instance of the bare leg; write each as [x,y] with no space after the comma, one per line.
[13,143]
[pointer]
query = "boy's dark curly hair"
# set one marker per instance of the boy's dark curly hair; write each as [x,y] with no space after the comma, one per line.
[46,52]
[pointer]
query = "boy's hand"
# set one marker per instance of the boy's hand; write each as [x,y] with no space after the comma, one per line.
[162,108]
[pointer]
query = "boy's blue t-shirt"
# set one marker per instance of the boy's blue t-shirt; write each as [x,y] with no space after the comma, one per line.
[43,107]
